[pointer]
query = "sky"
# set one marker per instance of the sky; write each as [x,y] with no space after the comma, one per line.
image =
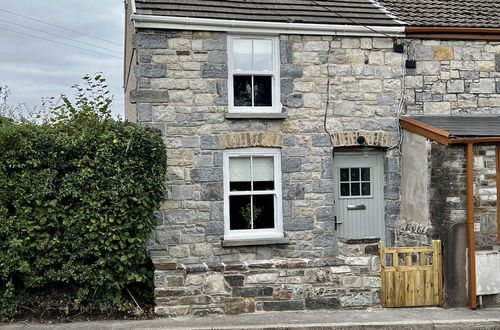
[39,60]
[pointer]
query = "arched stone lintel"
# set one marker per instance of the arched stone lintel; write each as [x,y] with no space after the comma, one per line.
[373,138]
[251,139]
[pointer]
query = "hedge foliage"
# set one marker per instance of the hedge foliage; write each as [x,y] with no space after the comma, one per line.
[77,201]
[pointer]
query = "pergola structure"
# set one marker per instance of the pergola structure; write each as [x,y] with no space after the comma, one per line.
[467,131]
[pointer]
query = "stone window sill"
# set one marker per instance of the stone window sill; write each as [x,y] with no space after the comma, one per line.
[249,115]
[254,241]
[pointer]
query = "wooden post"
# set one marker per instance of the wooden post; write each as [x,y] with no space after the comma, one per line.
[383,289]
[497,158]
[471,246]
[437,271]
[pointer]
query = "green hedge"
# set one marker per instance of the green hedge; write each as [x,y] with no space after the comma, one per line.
[77,202]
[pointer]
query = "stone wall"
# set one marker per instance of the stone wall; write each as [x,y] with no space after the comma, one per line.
[332,90]
[485,197]
[271,285]
[454,77]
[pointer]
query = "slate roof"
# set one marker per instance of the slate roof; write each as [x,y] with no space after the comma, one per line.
[344,12]
[446,13]
[463,126]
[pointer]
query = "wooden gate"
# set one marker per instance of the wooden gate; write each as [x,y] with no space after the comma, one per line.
[411,276]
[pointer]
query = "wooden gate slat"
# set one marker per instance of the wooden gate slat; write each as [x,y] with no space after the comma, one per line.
[407,284]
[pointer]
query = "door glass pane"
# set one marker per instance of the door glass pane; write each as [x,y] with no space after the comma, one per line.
[263,211]
[262,55]
[262,91]
[354,174]
[242,91]
[239,174]
[344,174]
[365,174]
[240,212]
[242,50]
[355,189]
[365,189]
[344,189]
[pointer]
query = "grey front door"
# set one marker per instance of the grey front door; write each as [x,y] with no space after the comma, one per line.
[359,194]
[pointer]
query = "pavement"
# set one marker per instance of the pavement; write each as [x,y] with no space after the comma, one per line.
[371,318]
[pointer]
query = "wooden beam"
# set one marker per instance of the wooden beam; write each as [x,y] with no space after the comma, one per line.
[471,247]
[497,158]
[425,130]
[482,140]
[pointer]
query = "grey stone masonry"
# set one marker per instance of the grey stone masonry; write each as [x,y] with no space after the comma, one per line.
[274,285]
[333,89]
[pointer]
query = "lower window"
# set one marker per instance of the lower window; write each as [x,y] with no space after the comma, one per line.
[252,193]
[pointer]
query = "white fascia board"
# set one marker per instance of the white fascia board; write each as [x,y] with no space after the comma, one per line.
[234,26]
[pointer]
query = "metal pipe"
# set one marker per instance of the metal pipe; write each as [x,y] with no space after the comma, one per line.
[471,248]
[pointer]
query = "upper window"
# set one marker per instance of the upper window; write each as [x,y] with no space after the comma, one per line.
[253,74]
[252,193]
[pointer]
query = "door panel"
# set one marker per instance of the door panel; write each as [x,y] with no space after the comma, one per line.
[359,194]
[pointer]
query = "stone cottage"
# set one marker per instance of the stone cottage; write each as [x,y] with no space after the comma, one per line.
[286,158]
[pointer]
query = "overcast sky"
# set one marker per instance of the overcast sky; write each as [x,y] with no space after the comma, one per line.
[34,63]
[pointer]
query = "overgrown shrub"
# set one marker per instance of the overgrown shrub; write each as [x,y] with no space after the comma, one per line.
[77,201]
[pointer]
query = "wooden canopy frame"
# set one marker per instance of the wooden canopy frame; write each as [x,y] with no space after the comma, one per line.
[446,139]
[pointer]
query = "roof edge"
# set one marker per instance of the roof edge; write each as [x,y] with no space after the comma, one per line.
[460,33]
[387,12]
[239,26]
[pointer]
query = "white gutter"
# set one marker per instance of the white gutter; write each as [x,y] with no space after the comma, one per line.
[209,24]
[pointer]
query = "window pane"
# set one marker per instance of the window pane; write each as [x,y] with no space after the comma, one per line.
[240,212]
[242,91]
[239,169]
[263,211]
[354,174]
[263,91]
[344,189]
[262,55]
[344,174]
[365,189]
[365,174]
[242,54]
[240,186]
[263,168]
[355,189]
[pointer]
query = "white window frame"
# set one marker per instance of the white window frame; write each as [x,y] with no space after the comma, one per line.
[277,231]
[275,76]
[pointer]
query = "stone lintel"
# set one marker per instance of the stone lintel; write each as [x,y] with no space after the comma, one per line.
[251,139]
[373,138]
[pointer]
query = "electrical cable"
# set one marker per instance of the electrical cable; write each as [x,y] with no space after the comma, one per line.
[59,36]
[57,42]
[60,27]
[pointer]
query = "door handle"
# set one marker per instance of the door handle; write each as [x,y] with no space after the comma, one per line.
[356,207]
